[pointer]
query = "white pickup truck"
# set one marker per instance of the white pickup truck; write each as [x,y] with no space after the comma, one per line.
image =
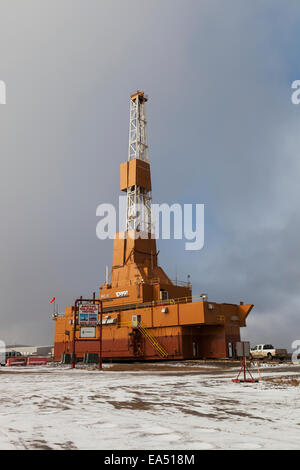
[267,351]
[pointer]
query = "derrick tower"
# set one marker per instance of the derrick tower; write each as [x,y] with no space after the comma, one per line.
[135,271]
[139,195]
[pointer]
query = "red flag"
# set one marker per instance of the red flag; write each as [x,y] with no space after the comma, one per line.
[51,301]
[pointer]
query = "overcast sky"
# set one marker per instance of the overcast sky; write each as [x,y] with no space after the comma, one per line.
[222,131]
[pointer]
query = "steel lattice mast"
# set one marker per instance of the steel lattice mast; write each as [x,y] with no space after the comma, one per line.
[139,199]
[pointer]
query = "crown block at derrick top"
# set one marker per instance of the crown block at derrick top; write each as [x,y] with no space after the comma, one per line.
[135,173]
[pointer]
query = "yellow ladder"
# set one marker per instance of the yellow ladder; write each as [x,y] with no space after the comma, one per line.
[158,347]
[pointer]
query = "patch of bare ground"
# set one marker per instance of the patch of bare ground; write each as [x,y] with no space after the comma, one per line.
[23,370]
[189,411]
[282,381]
[47,405]
[38,444]
[241,414]
[144,368]
[97,397]
[193,366]
[225,401]
[136,404]
[68,445]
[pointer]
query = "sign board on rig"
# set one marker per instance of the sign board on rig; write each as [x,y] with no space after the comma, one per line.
[87,332]
[88,314]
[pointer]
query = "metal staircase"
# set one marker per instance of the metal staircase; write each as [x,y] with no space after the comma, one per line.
[158,347]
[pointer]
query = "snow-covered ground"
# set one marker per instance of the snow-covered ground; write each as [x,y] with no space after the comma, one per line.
[60,408]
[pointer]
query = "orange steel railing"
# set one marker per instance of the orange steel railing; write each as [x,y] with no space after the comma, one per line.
[153,280]
[153,303]
[156,345]
[146,333]
[157,303]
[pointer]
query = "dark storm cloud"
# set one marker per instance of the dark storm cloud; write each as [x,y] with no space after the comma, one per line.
[222,132]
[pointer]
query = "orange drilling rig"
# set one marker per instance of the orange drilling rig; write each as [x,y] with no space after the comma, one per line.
[145,315]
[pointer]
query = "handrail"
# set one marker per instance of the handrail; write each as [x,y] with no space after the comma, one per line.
[147,334]
[181,283]
[162,352]
[155,303]
[149,280]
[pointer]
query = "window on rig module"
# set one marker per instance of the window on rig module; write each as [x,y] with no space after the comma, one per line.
[164,295]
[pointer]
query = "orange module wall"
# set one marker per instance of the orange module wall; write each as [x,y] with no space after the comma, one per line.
[184,330]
